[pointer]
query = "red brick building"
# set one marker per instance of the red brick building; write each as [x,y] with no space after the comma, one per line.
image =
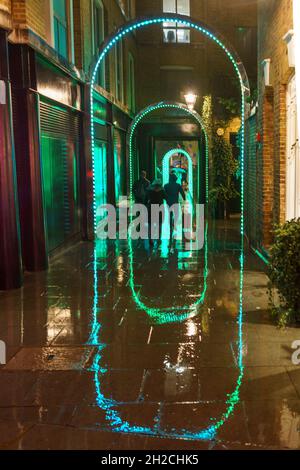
[47,49]
[273,168]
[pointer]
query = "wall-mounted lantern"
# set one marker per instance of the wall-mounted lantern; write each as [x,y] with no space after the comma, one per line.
[266,68]
[289,39]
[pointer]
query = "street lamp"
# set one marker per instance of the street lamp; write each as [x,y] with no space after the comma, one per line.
[190,99]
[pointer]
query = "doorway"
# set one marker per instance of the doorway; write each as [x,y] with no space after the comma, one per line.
[100,165]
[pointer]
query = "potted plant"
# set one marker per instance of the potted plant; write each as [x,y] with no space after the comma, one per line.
[284,272]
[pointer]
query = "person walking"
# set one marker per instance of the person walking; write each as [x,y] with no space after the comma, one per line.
[140,188]
[155,196]
[173,190]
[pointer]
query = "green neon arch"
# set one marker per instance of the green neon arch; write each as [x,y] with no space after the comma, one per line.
[207,31]
[105,403]
[166,164]
[179,313]
[144,113]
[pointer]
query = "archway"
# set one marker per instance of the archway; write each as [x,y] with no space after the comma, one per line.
[168,314]
[210,33]
[166,166]
[233,398]
[150,109]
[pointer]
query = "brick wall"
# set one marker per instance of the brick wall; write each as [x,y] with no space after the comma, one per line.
[250,180]
[275,19]
[31,14]
[5,6]
[5,14]
[204,65]
[34,16]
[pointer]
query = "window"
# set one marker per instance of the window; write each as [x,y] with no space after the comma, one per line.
[98,37]
[60,26]
[131,83]
[119,71]
[246,39]
[129,9]
[174,32]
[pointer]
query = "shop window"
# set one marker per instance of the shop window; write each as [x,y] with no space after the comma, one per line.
[101,172]
[119,71]
[174,32]
[60,27]
[131,83]
[246,39]
[129,9]
[119,164]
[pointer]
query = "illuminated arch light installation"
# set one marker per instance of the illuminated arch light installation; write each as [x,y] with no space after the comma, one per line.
[151,109]
[179,313]
[116,422]
[206,31]
[166,166]
[166,176]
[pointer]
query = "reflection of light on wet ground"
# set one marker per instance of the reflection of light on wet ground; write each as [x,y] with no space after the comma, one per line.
[289,427]
[58,316]
[169,314]
[192,329]
[173,370]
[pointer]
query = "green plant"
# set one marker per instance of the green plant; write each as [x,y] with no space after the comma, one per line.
[224,168]
[284,272]
[231,107]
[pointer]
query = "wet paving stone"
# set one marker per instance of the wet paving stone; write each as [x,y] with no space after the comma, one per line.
[116,353]
[52,358]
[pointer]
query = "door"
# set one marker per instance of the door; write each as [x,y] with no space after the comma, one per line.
[293,155]
[60,153]
[119,165]
[100,154]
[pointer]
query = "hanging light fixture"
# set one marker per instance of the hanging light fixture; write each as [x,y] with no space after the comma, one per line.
[190,99]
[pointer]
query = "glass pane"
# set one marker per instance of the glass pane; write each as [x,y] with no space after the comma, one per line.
[59,9]
[101,176]
[56,34]
[63,44]
[131,87]
[119,70]
[120,165]
[183,7]
[98,25]
[170,35]
[98,39]
[169,6]
[169,24]
[183,35]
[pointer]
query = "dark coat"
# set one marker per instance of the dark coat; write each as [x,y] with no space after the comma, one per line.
[172,191]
